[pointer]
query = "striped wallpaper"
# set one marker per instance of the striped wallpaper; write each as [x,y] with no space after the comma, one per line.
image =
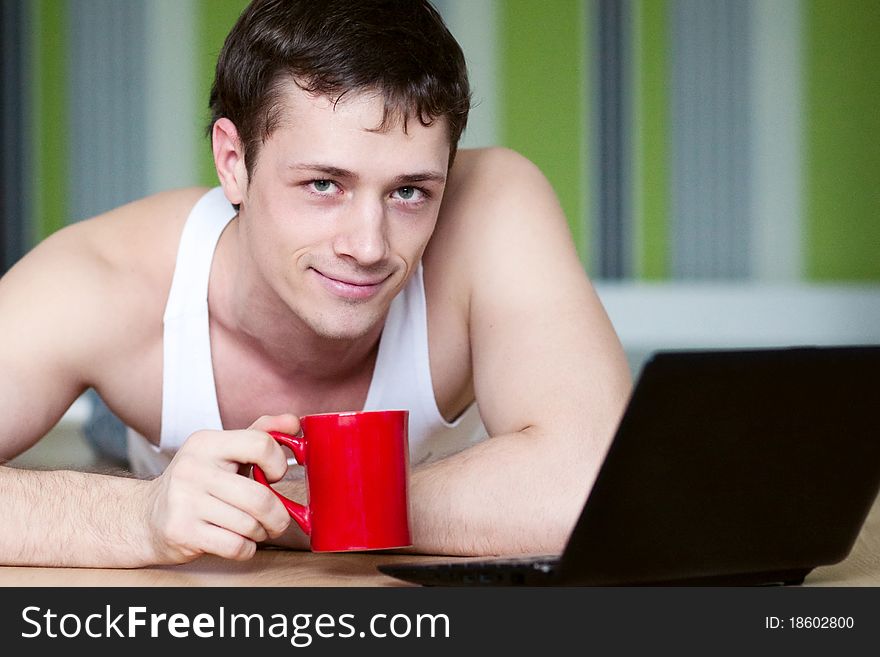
[686,139]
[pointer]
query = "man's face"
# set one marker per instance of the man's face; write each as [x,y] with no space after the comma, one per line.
[336,215]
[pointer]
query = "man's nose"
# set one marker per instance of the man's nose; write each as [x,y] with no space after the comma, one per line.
[363,234]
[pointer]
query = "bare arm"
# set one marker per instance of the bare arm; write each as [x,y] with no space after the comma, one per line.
[550,377]
[60,325]
[199,505]
[46,332]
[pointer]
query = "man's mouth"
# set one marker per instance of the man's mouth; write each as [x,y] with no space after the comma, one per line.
[351,287]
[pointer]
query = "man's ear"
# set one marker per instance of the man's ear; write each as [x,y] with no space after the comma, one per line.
[229,159]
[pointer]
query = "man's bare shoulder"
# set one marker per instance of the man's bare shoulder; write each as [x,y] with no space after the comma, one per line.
[133,246]
[497,164]
[140,236]
[495,196]
[492,161]
[102,274]
[494,185]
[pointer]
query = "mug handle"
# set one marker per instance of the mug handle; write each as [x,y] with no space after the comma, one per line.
[297,511]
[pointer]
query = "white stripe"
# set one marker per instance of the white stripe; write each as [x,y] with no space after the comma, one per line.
[173,109]
[650,316]
[474,25]
[776,129]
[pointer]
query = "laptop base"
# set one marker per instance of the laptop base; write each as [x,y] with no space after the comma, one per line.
[546,573]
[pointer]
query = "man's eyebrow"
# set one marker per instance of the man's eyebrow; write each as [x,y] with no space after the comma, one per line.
[337,172]
[331,171]
[422,176]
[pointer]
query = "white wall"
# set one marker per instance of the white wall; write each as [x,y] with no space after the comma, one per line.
[648,316]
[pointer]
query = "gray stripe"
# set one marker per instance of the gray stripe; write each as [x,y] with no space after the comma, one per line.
[14,132]
[710,200]
[107,50]
[614,140]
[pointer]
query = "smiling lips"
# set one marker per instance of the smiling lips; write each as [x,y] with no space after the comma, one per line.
[358,290]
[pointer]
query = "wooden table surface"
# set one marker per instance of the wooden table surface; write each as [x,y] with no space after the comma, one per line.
[270,567]
[274,567]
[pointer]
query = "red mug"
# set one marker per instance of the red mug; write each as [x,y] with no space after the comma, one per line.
[357,475]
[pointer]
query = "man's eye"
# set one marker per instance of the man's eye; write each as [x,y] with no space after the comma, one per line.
[322,185]
[410,194]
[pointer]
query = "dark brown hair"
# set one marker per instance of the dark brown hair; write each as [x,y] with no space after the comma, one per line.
[400,48]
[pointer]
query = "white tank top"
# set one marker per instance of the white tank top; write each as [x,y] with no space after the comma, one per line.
[401,377]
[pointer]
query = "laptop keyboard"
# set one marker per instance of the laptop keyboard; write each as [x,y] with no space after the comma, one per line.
[542,564]
[486,572]
[514,570]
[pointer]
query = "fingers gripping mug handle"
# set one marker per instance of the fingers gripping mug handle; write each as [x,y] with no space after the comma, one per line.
[298,512]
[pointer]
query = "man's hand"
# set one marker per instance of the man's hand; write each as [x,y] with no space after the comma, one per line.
[202,505]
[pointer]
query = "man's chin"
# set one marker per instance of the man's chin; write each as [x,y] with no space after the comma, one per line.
[338,334]
[349,327]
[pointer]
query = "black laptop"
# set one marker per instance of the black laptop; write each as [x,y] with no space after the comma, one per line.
[729,467]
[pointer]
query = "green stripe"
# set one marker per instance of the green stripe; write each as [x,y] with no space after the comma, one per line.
[842,136]
[652,138]
[543,79]
[214,19]
[51,145]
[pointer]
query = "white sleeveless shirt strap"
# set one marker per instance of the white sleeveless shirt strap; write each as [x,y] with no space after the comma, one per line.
[189,396]
[402,379]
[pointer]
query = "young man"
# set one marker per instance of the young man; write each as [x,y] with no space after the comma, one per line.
[344,263]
